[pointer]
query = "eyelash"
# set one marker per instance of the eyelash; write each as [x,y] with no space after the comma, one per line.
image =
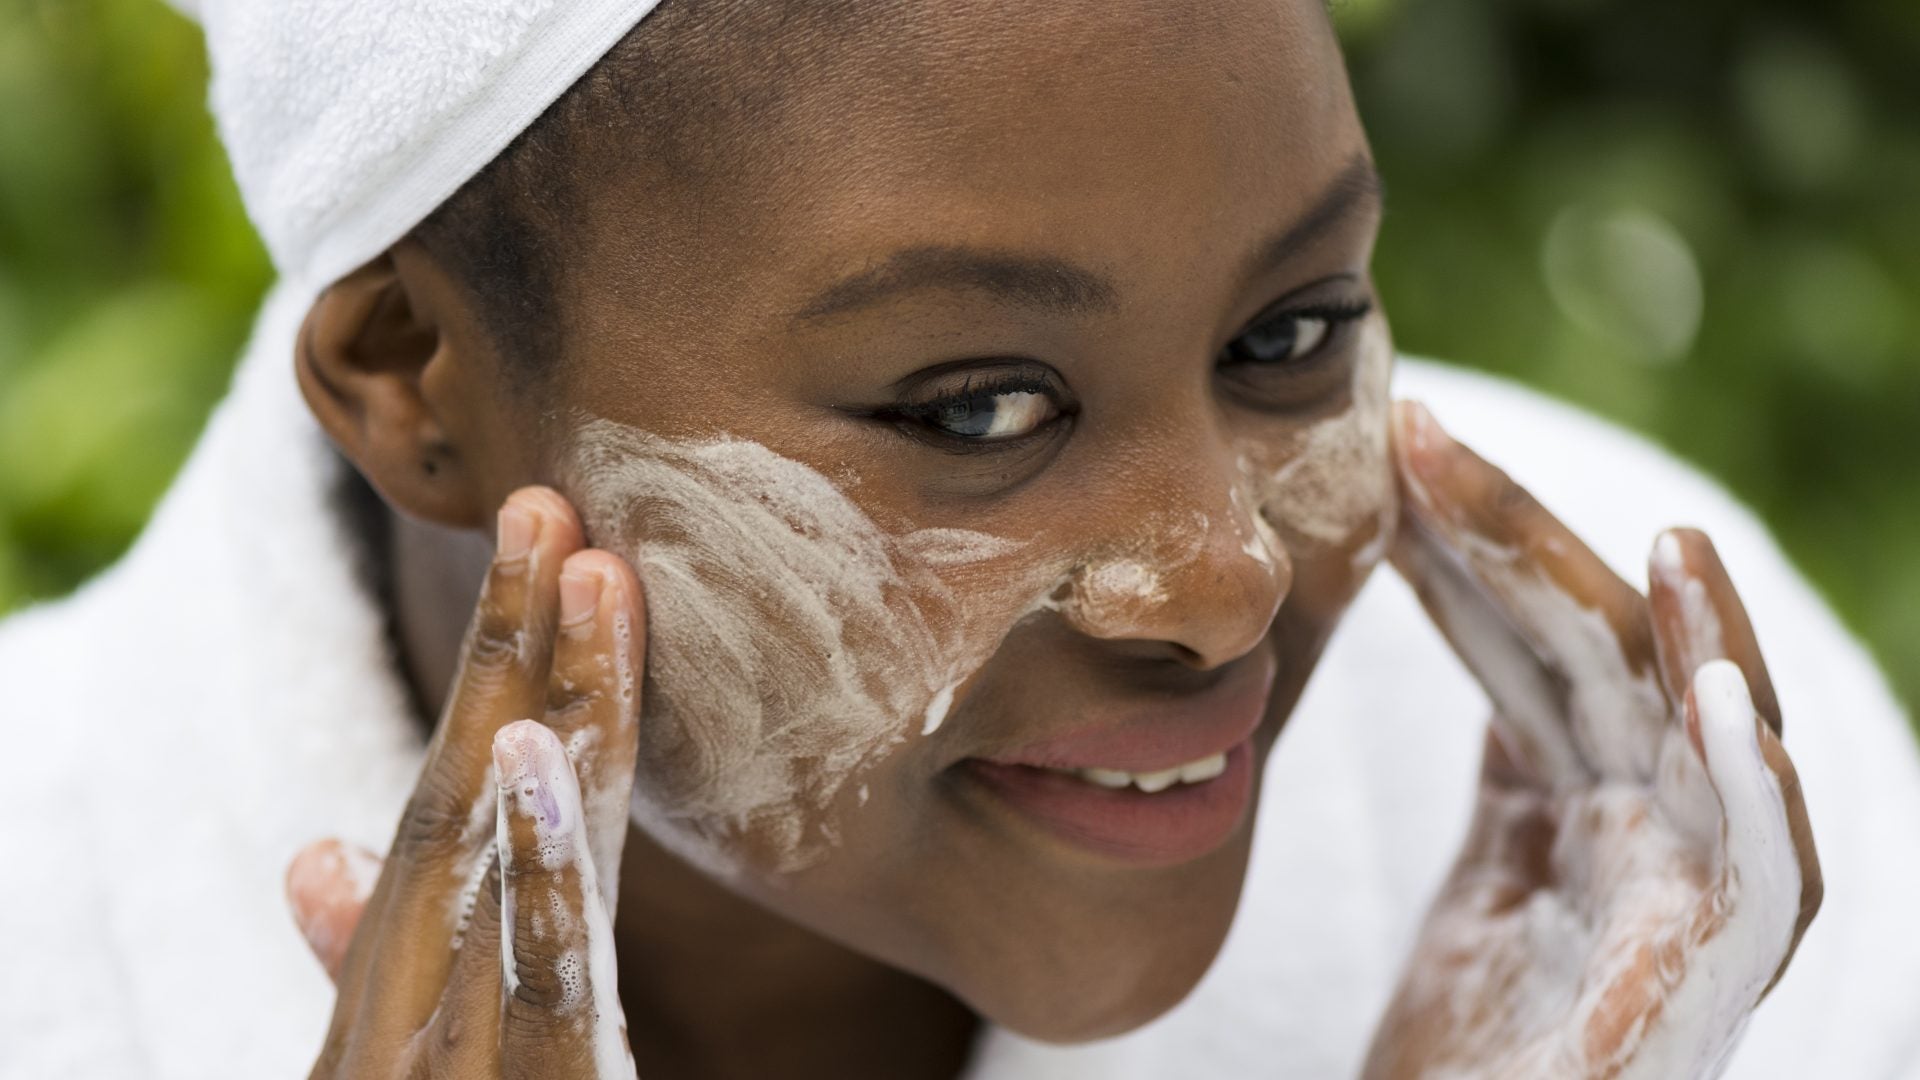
[977,390]
[921,415]
[1338,315]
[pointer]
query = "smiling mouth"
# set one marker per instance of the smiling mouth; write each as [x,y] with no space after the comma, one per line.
[1193,772]
[1155,787]
[1142,819]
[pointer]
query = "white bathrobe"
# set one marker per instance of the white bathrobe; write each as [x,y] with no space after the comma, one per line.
[174,732]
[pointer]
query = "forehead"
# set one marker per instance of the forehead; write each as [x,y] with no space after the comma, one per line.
[1107,132]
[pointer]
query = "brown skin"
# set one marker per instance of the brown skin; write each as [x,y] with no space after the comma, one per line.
[1243,132]
[1183,138]
[544,642]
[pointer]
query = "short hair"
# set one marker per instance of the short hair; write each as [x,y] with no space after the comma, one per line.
[685,88]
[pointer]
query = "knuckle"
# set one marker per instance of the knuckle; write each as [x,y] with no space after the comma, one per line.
[573,709]
[452,1040]
[533,1034]
[548,994]
[536,986]
[437,823]
[498,640]
[1510,501]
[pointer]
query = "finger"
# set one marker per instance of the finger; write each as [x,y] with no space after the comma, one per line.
[1583,621]
[445,838]
[1800,828]
[1766,896]
[560,1012]
[593,697]
[1698,616]
[327,885]
[1529,700]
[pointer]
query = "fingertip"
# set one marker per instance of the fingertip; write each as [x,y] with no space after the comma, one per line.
[534,773]
[1722,720]
[557,521]
[611,570]
[581,587]
[1700,617]
[518,748]
[1668,562]
[619,595]
[305,872]
[327,885]
[1414,426]
[1418,443]
[1768,841]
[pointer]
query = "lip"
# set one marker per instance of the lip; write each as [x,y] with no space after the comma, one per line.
[1173,826]
[1176,825]
[1146,738]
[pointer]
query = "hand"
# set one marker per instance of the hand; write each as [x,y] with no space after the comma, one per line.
[1639,868]
[514,823]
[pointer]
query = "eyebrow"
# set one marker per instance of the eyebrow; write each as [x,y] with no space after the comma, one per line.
[1051,284]
[1356,187]
[1029,280]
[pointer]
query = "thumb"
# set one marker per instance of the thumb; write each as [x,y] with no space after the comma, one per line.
[328,883]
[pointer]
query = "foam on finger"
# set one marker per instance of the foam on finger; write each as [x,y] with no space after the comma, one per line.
[1745,926]
[550,895]
[1763,869]
[1531,710]
[1581,619]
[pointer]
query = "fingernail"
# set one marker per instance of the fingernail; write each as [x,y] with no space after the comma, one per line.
[579,595]
[534,777]
[516,529]
[1669,560]
[513,751]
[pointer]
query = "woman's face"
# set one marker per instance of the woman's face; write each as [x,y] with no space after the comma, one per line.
[1010,432]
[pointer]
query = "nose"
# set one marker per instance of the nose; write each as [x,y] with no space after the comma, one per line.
[1201,573]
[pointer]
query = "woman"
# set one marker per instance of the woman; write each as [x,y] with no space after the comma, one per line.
[931,450]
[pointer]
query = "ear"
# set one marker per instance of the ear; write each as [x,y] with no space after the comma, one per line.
[375,359]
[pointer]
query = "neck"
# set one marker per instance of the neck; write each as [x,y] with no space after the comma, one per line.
[713,984]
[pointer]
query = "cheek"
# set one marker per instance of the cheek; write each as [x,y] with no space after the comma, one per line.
[792,644]
[1329,490]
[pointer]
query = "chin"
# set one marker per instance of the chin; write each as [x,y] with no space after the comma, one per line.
[1078,1008]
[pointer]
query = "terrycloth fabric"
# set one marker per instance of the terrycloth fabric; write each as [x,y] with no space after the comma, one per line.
[176,730]
[348,121]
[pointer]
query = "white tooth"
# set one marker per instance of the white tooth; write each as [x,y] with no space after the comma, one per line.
[1205,769]
[1151,782]
[1107,778]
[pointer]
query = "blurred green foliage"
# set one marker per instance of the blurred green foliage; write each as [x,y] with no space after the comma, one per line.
[1701,219]
[128,277]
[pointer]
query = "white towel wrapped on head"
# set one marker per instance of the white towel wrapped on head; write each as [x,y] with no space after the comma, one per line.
[348,121]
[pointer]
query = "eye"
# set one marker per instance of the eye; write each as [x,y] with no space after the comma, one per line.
[1002,408]
[994,416]
[1292,338]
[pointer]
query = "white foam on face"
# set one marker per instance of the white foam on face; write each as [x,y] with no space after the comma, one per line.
[1328,485]
[1116,596]
[938,707]
[792,641]
[1258,541]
